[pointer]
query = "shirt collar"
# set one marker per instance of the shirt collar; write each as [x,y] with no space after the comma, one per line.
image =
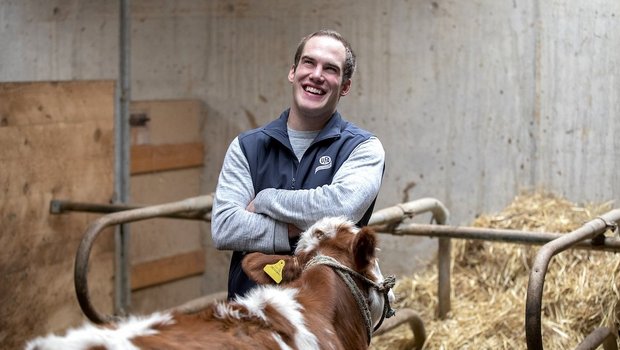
[278,129]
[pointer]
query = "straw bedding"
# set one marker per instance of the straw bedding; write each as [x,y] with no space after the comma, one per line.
[489,285]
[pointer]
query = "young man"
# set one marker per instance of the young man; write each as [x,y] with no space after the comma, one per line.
[309,163]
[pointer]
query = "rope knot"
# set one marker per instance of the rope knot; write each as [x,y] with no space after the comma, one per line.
[387,284]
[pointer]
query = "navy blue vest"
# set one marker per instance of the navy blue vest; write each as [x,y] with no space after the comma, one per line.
[273,164]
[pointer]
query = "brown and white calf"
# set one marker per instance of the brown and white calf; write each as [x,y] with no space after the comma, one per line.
[312,307]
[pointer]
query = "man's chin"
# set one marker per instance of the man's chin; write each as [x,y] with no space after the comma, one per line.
[316,114]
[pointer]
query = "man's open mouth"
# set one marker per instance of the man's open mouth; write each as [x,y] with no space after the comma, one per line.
[313,90]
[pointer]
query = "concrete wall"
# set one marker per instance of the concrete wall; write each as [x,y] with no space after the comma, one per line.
[473,100]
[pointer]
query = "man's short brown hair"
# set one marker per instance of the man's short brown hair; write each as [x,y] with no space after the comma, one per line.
[349,61]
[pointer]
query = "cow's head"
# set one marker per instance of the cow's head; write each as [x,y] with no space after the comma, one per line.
[335,237]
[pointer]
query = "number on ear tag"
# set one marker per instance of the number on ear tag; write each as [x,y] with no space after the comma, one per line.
[275,270]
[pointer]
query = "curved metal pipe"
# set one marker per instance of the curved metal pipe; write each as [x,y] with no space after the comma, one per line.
[591,229]
[412,319]
[59,206]
[397,213]
[386,220]
[601,335]
[193,204]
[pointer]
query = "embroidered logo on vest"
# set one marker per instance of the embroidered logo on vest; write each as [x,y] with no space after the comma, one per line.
[326,163]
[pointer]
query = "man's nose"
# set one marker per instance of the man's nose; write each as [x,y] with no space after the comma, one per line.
[317,73]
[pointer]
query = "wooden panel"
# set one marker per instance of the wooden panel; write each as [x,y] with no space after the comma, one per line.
[152,158]
[167,165]
[169,121]
[168,295]
[35,159]
[167,269]
[28,104]
[159,238]
[56,142]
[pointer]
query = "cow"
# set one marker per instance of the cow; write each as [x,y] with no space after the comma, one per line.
[329,295]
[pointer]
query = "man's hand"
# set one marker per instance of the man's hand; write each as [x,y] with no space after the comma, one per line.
[250,207]
[293,231]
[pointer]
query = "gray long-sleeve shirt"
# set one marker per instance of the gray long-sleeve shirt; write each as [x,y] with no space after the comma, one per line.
[355,185]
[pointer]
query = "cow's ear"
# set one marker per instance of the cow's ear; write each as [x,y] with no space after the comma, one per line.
[364,247]
[271,269]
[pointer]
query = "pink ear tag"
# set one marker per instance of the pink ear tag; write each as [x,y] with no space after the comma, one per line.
[275,270]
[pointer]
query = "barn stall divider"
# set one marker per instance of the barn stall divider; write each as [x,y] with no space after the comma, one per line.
[590,236]
[391,220]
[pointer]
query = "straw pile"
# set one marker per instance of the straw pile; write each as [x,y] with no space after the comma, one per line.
[489,285]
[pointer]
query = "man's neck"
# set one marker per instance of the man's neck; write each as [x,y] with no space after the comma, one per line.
[306,123]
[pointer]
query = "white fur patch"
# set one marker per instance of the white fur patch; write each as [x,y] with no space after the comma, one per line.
[284,302]
[324,228]
[90,335]
[280,342]
[377,301]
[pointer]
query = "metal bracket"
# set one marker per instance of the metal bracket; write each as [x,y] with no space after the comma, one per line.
[609,225]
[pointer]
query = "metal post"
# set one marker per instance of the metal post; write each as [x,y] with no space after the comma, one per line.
[535,287]
[122,295]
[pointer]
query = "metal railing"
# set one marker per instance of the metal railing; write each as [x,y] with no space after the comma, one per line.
[196,206]
[593,231]
[390,220]
[590,236]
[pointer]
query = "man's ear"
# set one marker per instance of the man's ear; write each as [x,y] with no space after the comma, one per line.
[346,87]
[255,264]
[291,74]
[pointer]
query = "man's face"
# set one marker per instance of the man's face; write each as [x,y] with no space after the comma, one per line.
[317,79]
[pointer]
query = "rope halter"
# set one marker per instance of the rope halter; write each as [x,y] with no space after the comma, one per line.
[346,274]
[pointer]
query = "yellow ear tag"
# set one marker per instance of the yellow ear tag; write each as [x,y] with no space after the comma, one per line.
[275,270]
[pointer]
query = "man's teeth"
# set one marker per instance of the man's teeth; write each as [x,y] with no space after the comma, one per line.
[312,90]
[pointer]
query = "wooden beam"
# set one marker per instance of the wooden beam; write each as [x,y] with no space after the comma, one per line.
[152,158]
[167,269]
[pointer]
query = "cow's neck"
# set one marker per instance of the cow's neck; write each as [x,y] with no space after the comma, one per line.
[326,295]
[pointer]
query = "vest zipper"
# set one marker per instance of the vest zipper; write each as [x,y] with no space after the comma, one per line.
[293,177]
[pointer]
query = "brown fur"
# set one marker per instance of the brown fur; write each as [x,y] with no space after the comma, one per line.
[323,292]
[331,313]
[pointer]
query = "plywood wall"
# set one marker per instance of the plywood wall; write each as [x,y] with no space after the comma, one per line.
[56,142]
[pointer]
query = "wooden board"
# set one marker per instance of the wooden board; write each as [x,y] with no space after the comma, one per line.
[167,269]
[169,121]
[153,158]
[56,142]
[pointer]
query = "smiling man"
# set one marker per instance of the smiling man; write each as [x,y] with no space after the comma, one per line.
[318,81]
[309,163]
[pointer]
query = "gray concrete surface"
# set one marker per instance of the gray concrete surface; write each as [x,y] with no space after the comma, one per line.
[474,100]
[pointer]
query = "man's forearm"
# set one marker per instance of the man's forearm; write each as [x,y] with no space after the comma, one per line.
[233,227]
[354,188]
